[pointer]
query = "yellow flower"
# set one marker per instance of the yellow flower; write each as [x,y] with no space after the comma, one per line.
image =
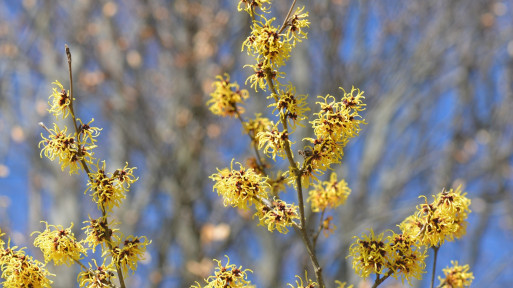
[327,226]
[369,254]
[59,101]
[456,276]
[133,251]
[65,147]
[320,157]
[227,276]
[296,24]
[441,220]
[404,258]
[97,231]
[59,244]
[125,176]
[257,125]
[266,45]
[273,142]
[308,283]
[97,277]
[454,203]
[21,270]
[88,132]
[109,189]
[342,284]
[279,215]
[259,77]
[250,6]
[328,194]
[290,106]
[223,101]
[339,120]
[240,188]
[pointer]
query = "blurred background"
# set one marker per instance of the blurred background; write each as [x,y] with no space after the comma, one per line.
[438,77]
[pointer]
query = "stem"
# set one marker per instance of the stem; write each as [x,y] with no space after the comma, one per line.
[84,163]
[435,249]
[260,162]
[80,263]
[316,236]
[381,280]
[287,18]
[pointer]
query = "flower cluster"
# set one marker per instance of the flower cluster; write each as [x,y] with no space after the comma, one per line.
[250,5]
[308,283]
[456,276]
[279,215]
[297,23]
[339,120]
[328,194]
[100,276]
[257,125]
[402,255]
[65,147]
[443,219]
[59,244]
[369,254]
[109,189]
[130,253]
[59,101]
[240,188]
[290,106]
[266,45]
[227,276]
[336,123]
[226,97]
[271,47]
[395,255]
[21,270]
[98,232]
[273,141]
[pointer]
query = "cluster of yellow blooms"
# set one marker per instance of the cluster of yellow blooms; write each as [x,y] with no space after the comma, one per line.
[227,276]
[402,255]
[277,216]
[59,244]
[394,256]
[21,270]
[240,188]
[290,106]
[443,219]
[328,194]
[456,276]
[335,123]
[226,97]
[109,189]
[308,283]
[271,45]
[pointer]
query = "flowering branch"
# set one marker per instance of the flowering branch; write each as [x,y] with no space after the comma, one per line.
[86,168]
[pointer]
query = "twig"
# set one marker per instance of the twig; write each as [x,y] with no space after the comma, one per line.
[435,249]
[316,236]
[287,18]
